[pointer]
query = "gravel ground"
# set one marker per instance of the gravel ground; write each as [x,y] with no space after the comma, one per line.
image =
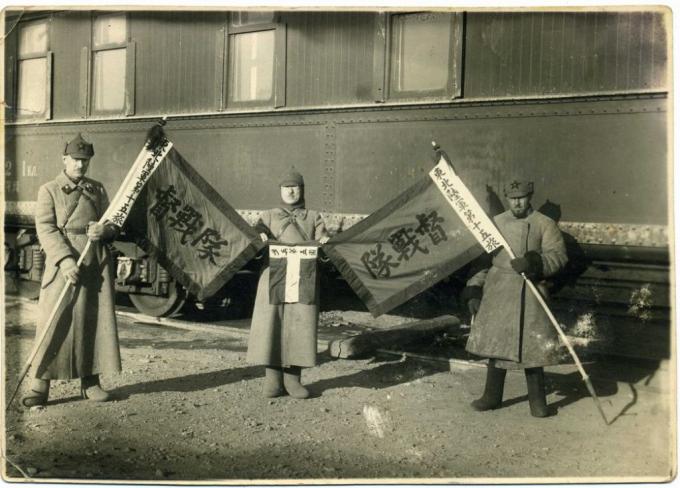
[188,407]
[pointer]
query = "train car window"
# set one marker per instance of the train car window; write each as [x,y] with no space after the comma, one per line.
[423,54]
[241,19]
[421,44]
[33,71]
[111,29]
[33,39]
[109,64]
[256,55]
[252,66]
[108,75]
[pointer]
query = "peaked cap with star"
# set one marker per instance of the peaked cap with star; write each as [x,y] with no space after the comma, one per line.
[518,187]
[79,148]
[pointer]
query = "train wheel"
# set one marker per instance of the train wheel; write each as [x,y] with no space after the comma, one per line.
[161,306]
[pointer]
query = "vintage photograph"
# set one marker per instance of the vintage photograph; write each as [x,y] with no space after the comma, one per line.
[338,245]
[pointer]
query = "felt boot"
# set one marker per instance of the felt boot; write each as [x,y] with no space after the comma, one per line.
[536,392]
[273,382]
[493,390]
[38,395]
[91,390]
[291,380]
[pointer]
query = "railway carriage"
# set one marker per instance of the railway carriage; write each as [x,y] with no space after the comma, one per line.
[576,99]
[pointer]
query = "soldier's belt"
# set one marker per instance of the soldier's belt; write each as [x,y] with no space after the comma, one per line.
[75,230]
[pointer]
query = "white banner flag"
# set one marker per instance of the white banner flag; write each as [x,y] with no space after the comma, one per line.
[144,166]
[466,206]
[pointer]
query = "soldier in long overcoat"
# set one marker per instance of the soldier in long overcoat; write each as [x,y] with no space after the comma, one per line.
[84,342]
[283,336]
[510,326]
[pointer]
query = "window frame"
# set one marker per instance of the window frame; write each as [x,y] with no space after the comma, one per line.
[48,55]
[87,69]
[384,65]
[278,97]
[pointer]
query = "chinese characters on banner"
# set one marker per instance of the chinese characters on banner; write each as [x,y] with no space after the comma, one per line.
[406,243]
[405,247]
[144,166]
[465,205]
[188,222]
[190,229]
[292,274]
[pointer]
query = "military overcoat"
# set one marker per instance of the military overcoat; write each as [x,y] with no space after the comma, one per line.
[511,325]
[285,334]
[85,340]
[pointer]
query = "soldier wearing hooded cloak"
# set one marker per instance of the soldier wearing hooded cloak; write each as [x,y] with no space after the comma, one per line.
[283,336]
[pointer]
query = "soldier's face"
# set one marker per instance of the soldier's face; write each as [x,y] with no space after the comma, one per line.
[75,168]
[290,194]
[519,206]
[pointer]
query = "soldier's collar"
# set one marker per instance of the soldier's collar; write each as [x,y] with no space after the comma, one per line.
[68,185]
[293,211]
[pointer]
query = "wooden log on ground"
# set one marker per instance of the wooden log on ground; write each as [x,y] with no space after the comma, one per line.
[405,334]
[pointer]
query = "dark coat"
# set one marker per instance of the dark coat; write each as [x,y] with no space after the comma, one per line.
[85,340]
[511,325]
[285,335]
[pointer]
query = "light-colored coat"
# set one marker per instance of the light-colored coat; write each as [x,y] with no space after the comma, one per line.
[285,335]
[85,339]
[511,325]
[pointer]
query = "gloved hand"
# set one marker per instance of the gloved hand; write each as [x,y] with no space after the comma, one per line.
[521,265]
[324,240]
[95,231]
[69,269]
[530,264]
[473,305]
[264,237]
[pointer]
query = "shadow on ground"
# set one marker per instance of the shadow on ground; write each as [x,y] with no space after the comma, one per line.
[607,376]
[190,383]
[389,373]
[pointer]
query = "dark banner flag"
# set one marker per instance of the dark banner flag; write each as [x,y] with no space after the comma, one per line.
[292,273]
[189,228]
[413,242]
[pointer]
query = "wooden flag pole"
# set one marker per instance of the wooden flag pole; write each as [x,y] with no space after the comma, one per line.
[54,316]
[49,325]
[547,310]
[563,336]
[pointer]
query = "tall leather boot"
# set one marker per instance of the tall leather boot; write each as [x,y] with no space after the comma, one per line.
[536,392]
[91,390]
[273,382]
[40,390]
[291,380]
[493,390]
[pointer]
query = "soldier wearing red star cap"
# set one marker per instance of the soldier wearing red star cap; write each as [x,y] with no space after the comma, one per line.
[84,343]
[510,327]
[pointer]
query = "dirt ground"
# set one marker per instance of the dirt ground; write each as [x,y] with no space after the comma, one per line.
[188,407]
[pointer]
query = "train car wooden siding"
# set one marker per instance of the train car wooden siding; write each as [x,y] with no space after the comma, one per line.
[576,99]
